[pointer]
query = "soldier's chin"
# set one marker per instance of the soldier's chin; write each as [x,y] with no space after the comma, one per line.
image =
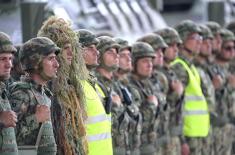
[4,77]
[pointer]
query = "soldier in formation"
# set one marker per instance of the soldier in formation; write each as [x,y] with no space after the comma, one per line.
[8,117]
[169,93]
[30,98]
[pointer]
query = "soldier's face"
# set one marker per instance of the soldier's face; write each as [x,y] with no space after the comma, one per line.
[91,55]
[5,65]
[228,50]
[67,53]
[111,57]
[193,43]
[158,60]
[206,47]
[171,52]
[217,43]
[50,66]
[144,66]
[125,60]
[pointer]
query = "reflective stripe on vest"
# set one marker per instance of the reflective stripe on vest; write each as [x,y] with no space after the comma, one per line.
[97,137]
[196,121]
[98,126]
[194,98]
[195,112]
[96,119]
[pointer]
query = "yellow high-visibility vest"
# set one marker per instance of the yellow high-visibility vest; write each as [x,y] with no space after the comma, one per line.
[196,121]
[98,124]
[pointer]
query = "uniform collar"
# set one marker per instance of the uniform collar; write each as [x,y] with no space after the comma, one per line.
[39,88]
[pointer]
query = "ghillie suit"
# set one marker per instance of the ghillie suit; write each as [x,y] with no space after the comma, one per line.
[68,111]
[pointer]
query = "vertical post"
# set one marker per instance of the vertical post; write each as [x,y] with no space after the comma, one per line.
[32,17]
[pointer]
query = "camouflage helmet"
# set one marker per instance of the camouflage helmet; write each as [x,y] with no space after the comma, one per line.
[6,44]
[154,40]
[106,43]
[123,44]
[86,37]
[187,27]
[227,35]
[169,35]
[142,49]
[31,52]
[214,27]
[231,26]
[206,32]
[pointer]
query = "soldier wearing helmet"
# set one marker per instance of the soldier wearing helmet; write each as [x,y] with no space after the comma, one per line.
[217,40]
[30,98]
[108,63]
[158,78]
[221,64]
[175,90]
[89,42]
[231,26]
[201,61]
[94,97]
[190,78]
[125,117]
[69,112]
[142,56]
[8,118]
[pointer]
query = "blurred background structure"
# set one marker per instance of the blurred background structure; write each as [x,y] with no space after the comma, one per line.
[21,19]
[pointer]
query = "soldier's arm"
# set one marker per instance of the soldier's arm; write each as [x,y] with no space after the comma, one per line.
[20,102]
[181,74]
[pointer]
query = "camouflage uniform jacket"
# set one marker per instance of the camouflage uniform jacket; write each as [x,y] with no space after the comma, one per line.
[130,101]
[148,110]
[8,144]
[174,103]
[221,94]
[24,97]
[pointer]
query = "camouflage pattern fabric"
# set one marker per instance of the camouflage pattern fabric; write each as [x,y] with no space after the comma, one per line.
[24,97]
[86,37]
[214,27]
[187,27]
[154,40]
[131,113]
[169,35]
[31,53]
[6,44]
[149,113]
[8,144]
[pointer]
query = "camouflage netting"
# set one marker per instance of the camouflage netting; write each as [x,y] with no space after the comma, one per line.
[72,97]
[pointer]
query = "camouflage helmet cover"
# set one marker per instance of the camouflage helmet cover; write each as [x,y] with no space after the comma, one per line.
[86,37]
[231,26]
[206,32]
[106,43]
[214,27]
[32,51]
[154,40]
[123,44]
[6,44]
[169,35]
[187,27]
[227,35]
[142,49]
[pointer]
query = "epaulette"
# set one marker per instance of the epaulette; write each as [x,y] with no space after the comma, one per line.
[19,85]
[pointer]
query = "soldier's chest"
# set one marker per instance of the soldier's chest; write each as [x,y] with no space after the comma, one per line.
[4,103]
[40,98]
